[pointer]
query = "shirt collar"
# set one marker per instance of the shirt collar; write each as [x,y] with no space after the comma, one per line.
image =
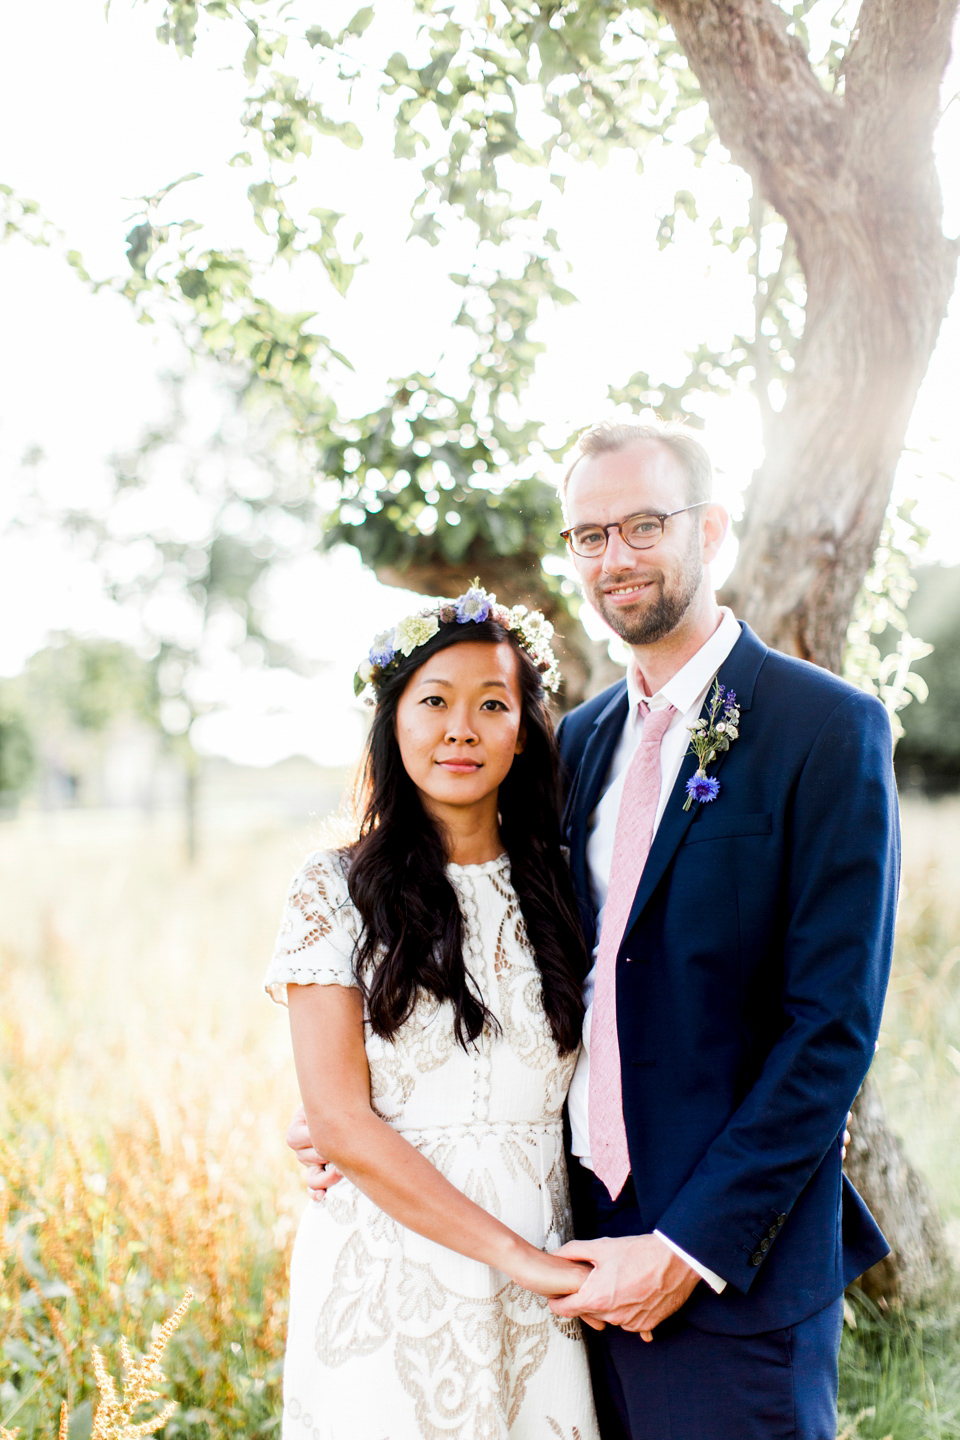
[693,678]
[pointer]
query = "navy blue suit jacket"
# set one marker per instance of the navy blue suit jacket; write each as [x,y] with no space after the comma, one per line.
[750,984]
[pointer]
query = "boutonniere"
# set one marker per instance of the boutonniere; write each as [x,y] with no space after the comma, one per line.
[709,736]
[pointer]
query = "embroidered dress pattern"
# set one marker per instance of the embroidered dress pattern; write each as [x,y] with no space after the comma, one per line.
[391,1334]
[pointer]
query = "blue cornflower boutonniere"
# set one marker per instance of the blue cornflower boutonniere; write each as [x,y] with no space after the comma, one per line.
[709,736]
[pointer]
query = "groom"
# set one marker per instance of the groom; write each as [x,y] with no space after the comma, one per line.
[741,940]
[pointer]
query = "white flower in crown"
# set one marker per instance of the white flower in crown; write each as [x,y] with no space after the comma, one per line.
[415,630]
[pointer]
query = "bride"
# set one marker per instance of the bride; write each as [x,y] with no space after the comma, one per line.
[433,976]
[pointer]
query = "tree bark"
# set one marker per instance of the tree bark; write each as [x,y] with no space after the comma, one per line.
[903,1204]
[854,178]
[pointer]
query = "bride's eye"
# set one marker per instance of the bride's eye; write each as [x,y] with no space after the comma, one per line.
[493,705]
[434,701]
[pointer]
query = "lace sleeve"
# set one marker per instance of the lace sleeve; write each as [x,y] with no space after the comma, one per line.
[318,932]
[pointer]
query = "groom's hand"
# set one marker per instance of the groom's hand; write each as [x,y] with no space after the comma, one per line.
[636,1282]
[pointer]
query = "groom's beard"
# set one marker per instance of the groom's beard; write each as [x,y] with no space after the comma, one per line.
[659,609]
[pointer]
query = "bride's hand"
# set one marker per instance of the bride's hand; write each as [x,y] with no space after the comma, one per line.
[549,1274]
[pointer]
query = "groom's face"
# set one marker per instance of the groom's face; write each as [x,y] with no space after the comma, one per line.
[642,594]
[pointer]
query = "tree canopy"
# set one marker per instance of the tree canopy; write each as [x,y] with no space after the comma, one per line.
[829,107]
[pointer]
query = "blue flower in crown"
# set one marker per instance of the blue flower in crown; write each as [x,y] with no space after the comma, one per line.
[383,649]
[473,605]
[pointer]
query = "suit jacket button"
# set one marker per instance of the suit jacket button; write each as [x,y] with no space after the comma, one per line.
[756,1258]
[781,1219]
[764,1246]
[773,1232]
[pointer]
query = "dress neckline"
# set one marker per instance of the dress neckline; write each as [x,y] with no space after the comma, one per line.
[487,867]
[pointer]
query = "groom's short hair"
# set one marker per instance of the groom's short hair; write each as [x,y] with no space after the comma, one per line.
[611,436]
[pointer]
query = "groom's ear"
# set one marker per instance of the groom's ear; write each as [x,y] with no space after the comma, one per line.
[715,524]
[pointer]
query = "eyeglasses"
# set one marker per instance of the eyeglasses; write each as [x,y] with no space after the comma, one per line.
[640,532]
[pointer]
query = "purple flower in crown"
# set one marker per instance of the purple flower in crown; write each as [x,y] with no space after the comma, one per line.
[702,788]
[473,605]
[713,733]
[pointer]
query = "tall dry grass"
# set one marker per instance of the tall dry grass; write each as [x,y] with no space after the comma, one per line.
[145,1084]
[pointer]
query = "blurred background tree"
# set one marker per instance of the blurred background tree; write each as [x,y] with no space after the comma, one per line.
[17,760]
[193,521]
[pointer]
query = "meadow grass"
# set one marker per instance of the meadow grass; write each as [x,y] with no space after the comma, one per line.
[145,1085]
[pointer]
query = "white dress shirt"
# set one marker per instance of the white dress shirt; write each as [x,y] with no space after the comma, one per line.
[686,692]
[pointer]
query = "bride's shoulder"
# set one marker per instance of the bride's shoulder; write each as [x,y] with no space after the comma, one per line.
[318,931]
[323,875]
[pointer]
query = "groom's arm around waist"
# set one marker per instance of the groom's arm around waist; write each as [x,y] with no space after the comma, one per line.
[840,880]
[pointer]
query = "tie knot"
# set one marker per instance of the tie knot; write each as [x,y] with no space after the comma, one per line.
[656,722]
[663,713]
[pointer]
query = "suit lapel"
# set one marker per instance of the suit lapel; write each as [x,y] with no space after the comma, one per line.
[738,673]
[585,791]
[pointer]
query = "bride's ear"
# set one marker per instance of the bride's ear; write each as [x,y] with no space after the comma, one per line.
[521,741]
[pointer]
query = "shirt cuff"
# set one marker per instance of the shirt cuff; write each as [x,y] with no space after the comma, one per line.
[714,1281]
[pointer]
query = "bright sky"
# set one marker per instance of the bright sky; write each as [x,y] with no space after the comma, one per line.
[95,113]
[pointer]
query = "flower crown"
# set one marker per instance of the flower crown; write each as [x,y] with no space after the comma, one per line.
[529,627]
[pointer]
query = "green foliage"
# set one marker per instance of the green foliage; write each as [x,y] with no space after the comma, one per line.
[881,608]
[16,749]
[899,1374]
[931,743]
[87,684]
[420,486]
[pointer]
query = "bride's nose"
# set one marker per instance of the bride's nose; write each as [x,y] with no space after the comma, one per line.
[460,731]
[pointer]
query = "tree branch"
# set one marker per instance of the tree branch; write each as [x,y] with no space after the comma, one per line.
[893,72]
[770,110]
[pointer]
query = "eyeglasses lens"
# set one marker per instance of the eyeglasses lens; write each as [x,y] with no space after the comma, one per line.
[641,532]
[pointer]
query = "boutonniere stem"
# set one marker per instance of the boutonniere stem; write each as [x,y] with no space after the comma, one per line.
[710,736]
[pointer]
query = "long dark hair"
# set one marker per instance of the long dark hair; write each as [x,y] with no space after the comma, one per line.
[412,936]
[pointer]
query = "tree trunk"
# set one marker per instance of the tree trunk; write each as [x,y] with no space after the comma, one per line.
[854,178]
[191,787]
[903,1204]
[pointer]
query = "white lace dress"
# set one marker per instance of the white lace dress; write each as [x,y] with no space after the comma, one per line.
[391,1336]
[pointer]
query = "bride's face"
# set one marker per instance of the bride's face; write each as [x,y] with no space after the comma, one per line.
[459,723]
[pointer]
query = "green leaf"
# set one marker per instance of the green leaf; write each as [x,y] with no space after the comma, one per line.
[316,35]
[360,21]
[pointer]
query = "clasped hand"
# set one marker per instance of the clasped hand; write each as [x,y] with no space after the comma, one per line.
[636,1282]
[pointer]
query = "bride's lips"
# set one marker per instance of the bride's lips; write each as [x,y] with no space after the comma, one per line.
[459,767]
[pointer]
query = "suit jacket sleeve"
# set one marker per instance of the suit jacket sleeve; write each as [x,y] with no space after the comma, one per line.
[841,874]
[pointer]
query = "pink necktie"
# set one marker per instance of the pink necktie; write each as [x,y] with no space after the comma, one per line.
[631,846]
